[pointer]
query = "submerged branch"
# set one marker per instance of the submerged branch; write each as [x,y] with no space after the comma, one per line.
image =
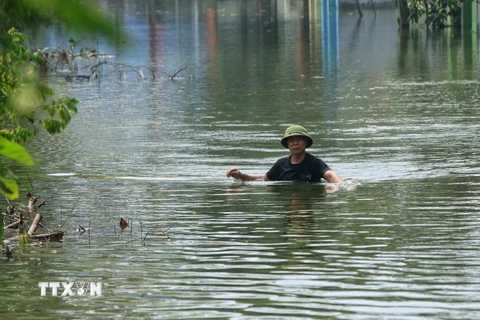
[51,236]
[34,225]
[173,75]
[17,225]
[66,63]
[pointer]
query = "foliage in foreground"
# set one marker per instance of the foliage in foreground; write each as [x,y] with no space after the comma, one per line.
[27,104]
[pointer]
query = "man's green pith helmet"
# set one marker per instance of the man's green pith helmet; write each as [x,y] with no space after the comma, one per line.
[296,130]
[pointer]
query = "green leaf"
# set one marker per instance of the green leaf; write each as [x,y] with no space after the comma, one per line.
[8,187]
[14,151]
[81,15]
[53,126]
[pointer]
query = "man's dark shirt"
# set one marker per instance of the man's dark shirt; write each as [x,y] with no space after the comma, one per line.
[311,169]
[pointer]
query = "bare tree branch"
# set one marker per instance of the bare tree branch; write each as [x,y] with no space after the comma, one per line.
[173,76]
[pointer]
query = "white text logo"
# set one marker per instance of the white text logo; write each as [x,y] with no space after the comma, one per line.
[71,288]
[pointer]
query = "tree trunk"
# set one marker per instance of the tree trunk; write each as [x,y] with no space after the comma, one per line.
[404,14]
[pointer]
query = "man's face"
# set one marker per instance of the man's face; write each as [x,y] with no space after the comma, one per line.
[297,145]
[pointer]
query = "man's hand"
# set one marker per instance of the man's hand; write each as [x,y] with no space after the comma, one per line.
[234,173]
[237,174]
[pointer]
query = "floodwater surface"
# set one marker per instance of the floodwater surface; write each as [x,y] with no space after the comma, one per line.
[396,112]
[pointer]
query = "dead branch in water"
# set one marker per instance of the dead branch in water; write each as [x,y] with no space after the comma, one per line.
[88,64]
[34,225]
[51,236]
[121,68]
[17,221]
[173,75]
[15,224]
[65,62]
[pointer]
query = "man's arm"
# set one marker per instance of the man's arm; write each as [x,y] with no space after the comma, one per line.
[237,174]
[331,176]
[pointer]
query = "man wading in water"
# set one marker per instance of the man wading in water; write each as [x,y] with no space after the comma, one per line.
[299,166]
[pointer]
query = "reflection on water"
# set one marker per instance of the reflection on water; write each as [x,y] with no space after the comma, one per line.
[397,111]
